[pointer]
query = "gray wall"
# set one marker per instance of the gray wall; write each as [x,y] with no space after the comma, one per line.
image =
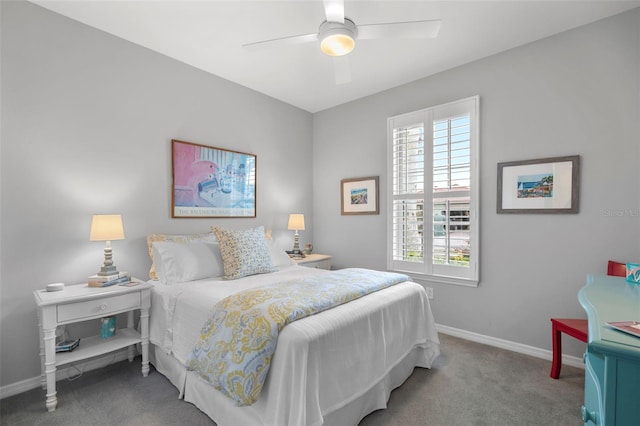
[87,121]
[574,93]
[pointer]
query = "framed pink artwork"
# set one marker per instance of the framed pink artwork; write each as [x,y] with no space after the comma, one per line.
[212,182]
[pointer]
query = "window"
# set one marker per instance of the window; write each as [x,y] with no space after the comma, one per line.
[433,203]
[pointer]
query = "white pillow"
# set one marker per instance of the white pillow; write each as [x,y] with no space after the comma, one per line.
[175,238]
[183,262]
[279,256]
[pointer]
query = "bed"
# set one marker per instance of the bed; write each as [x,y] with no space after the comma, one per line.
[332,368]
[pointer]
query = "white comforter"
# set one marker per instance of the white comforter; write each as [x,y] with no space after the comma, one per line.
[322,362]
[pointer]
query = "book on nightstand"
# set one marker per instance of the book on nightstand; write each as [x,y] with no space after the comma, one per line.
[109,280]
[67,345]
[132,282]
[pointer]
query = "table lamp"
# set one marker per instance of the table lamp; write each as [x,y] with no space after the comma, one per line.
[296,223]
[107,227]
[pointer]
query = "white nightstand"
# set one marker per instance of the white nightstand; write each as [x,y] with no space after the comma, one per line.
[319,261]
[78,303]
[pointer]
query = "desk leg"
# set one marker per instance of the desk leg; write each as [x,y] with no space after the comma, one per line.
[144,336]
[50,367]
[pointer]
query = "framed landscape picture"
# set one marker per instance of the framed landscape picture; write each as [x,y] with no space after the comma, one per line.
[547,185]
[212,182]
[359,196]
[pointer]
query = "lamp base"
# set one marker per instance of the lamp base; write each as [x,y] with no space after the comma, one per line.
[106,271]
[296,242]
[108,268]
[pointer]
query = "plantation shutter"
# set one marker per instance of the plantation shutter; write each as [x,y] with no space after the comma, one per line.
[408,193]
[433,225]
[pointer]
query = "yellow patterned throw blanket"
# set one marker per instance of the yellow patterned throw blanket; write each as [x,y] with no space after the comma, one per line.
[238,340]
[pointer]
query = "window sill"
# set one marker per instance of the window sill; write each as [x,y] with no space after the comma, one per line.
[441,279]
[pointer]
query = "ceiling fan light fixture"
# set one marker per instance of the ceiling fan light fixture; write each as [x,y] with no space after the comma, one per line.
[336,38]
[337,45]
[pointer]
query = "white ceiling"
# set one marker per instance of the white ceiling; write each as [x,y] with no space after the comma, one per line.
[208,34]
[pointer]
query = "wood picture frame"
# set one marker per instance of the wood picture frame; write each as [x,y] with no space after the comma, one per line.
[546,185]
[359,196]
[210,182]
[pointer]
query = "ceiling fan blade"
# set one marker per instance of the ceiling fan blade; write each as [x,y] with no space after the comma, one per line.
[414,29]
[334,10]
[342,69]
[282,41]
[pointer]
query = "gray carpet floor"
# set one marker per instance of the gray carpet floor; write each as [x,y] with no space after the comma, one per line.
[469,384]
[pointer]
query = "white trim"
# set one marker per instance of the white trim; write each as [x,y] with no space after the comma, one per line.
[426,279]
[63,373]
[510,346]
[466,276]
[20,387]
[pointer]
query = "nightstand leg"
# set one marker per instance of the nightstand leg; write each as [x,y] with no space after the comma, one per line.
[130,326]
[144,336]
[43,377]
[50,367]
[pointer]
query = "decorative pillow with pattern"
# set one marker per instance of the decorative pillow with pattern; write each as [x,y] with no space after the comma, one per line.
[244,252]
[178,238]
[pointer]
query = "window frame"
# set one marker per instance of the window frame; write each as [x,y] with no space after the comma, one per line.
[427,270]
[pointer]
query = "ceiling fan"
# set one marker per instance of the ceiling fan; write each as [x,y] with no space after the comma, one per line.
[338,34]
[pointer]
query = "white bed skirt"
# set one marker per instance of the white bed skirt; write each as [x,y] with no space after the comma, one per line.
[200,393]
[331,368]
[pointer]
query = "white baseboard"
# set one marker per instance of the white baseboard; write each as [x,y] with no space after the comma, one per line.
[66,372]
[71,371]
[572,361]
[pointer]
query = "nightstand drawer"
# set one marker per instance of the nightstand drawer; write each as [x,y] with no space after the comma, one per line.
[98,308]
[319,264]
[315,260]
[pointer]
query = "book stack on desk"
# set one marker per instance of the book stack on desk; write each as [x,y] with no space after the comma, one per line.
[109,280]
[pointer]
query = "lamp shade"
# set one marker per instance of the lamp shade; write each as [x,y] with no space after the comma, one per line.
[106,227]
[296,222]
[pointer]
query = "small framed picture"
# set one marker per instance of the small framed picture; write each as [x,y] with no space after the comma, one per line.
[359,196]
[546,185]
